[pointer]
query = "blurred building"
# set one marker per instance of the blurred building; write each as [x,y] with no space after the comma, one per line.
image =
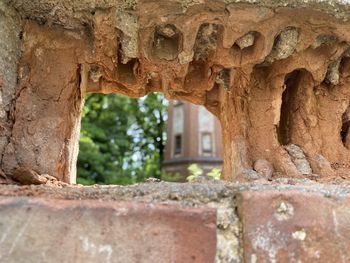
[193,136]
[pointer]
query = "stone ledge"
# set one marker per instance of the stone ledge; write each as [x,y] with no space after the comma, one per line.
[255,222]
[47,230]
[213,191]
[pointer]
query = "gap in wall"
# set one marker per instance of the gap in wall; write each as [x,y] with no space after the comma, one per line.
[122,139]
[126,141]
[289,96]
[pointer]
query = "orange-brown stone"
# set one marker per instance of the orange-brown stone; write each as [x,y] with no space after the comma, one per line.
[275,76]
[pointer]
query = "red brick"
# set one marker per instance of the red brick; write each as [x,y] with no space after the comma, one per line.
[293,226]
[48,230]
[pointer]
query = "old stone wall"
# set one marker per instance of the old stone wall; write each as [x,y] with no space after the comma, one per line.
[47,107]
[274,73]
[290,221]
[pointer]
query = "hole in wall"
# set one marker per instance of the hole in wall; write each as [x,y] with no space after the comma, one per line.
[284,44]
[337,69]
[246,40]
[288,106]
[246,47]
[198,71]
[126,73]
[207,41]
[167,42]
[122,139]
[125,141]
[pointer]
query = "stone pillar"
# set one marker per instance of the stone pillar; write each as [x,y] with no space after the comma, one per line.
[48,104]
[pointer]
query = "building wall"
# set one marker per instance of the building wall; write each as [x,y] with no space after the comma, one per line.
[192,123]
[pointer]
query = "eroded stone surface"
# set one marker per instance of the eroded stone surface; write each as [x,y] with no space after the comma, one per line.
[263,168]
[273,75]
[299,159]
[46,111]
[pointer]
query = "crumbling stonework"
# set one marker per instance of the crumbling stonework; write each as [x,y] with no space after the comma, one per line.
[46,111]
[275,74]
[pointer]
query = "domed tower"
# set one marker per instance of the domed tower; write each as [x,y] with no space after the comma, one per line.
[193,137]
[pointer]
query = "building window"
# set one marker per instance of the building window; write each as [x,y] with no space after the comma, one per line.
[207,144]
[178,144]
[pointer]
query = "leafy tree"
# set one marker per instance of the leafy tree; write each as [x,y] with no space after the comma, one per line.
[122,139]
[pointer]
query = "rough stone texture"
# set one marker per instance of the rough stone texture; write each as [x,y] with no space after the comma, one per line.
[284,45]
[26,176]
[293,226]
[71,13]
[299,159]
[295,151]
[214,195]
[10,51]
[229,231]
[250,175]
[294,220]
[47,107]
[104,232]
[246,41]
[286,85]
[263,168]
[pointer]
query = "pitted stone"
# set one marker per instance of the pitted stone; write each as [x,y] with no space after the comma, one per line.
[261,68]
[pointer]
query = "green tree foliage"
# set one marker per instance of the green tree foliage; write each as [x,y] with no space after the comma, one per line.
[122,139]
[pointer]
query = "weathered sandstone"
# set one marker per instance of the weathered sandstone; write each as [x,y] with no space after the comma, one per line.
[275,73]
